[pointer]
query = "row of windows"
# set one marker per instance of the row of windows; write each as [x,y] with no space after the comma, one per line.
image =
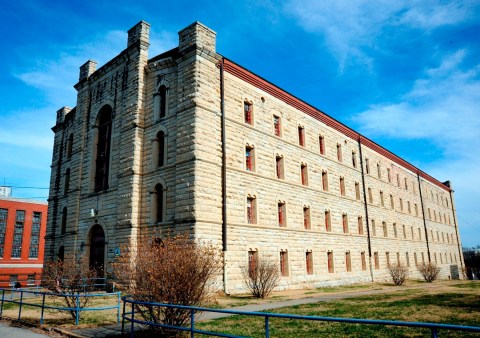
[18,233]
[283,261]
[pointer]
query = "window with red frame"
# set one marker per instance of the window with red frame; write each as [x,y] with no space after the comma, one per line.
[279,171]
[309,262]
[301,136]
[284,263]
[306,218]
[248,112]
[321,142]
[282,221]
[331,268]
[277,125]
[304,174]
[251,216]
[249,158]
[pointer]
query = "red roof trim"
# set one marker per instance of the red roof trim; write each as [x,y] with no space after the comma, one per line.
[255,80]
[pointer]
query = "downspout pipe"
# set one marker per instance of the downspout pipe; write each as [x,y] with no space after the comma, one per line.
[423,216]
[366,207]
[224,173]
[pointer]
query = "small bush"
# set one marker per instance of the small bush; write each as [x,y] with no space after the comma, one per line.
[429,271]
[173,270]
[263,278]
[398,272]
[69,278]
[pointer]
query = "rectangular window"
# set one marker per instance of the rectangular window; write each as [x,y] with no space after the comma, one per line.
[321,142]
[304,174]
[249,158]
[284,263]
[331,268]
[423,258]
[309,262]
[382,202]
[306,218]
[416,209]
[345,223]
[354,159]
[385,231]
[342,186]
[3,229]
[374,228]
[398,180]
[370,196]
[367,166]
[379,171]
[279,167]
[301,136]
[413,235]
[392,203]
[375,259]
[18,234]
[339,153]
[357,190]
[389,175]
[387,257]
[408,207]
[415,258]
[252,263]
[35,235]
[364,261]
[282,219]
[419,234]
[277,126]
[395,230]
[324,181]
[348,261]
[360,225]
[248,112]
[328,222]
[407,259]
[404,231]
[406,184]
[401,205]
[251,210]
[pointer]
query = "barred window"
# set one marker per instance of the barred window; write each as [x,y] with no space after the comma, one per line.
[18,234]
[3,229]
[35,235]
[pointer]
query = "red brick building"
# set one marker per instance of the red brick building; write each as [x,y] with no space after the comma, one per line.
[22,240]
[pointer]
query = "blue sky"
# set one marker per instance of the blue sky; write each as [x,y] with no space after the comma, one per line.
[404,73]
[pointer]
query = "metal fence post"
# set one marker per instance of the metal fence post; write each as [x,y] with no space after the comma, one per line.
[20,308]
[434,333]
[43,308]
[267,328]
[77,309]
[3,297]
[192,322]
[118,308]
[123,315]
[132,333]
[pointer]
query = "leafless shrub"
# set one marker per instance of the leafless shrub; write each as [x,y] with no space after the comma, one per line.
[70,279]
[173,270]
[429,271]
[398,272]
[261,278]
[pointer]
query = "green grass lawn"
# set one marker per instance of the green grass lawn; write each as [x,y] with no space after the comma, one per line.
[455,303]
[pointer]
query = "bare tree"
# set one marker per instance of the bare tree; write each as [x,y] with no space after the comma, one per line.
[429,271]
[398,272]
[262,278]
[69,279]
[173,270]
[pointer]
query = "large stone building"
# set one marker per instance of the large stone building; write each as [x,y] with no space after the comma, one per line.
[188,140]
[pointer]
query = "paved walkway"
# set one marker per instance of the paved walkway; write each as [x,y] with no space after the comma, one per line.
[6,330]
[115,330]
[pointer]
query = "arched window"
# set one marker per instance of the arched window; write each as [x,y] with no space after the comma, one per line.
[159,199]
[69,146]
[67,181]
[63,229]
[161,148]
[104,125]
[160,102]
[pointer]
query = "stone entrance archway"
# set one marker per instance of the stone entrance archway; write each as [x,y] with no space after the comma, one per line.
[97,249]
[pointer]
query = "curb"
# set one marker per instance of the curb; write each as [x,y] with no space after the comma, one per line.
[68,333]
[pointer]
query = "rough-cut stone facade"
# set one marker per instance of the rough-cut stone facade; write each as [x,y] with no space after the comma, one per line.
[206,183]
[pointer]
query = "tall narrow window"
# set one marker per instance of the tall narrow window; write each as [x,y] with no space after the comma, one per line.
[364,261]
[3,229]
[331,268]
[367,166]
[252,263]
[309,262]
[379,171]
[35,235]
[392,203]
[406,184]
[18,234]
[374,228]
[408,207]
[282,219]
[159,201]
[66,186]
[389,175]
[102,164]
[342,186]
[382,202]
[354,159]
[251,210]
[357,190]
[328,221]
[404,230]
[69,146]
[161,148]
[423,258]
[248,112]
[301,136]
[324,181]
[398,180]
[416,209]
[348,261]
[63,228]
[321,142]
[419,234]
[360,225]
[306,218]
[249,158]
[407,259]
[279,167]
[284,263]
[395,234]
[387,258]
[163,100]
[401,204]
[345,223]
[339,153]
[277,125]
[304,174]
[415,258]
[385,230]
[412,233]
[375,259]
[370,195]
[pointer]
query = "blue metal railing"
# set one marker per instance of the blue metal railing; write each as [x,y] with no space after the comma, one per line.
[130,317]
[24,295]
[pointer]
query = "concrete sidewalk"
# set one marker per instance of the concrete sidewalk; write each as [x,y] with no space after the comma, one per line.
[115,330]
